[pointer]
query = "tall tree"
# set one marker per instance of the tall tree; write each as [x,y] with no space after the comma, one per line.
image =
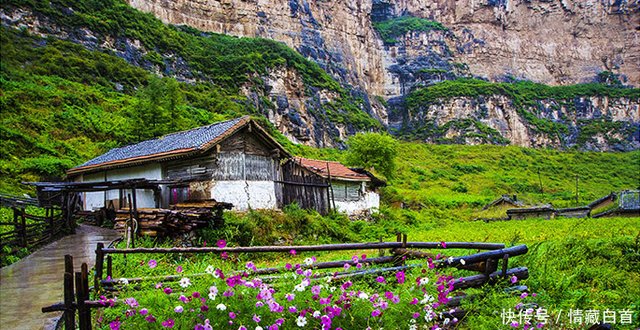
[373,151]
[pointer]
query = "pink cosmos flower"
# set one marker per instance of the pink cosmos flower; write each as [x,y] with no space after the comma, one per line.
[293,309]
[251,265]
[144,311]
[524,295]
[376,313]
[380,279]
[514,279]
[400,277]
[168,290]
[346,266]
[287,266]
[179,269]
[292,252]
[115,325]
[256,318]
[150,319]
[178,309]
[168,323]
[224,256]
[153,263]
[232,315]
[221,243]
[415,315]
[443,244]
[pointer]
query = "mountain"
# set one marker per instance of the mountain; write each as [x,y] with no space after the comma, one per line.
[388,49]
[80,77]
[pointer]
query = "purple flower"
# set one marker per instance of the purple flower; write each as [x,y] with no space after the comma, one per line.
[256,318]
[251,265]
[293,309]
[514,279]
[514,324]
[144,311]
[115,325]
[376,313]
[228,293]
[400,277]
[346,266]
[131,302]
[178,309]
[196,294]
[380,279]
[168,290]
[150,318]
[315,289]
[153,263]
[168,323]
[232,315]
[292,252]
[204,308]
[287,266]
[224,256]
[183,298]
[221,243]
[179,269]
[443,244]
[524,295]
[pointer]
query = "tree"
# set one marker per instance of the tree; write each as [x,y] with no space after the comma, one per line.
[373,151]
[159,109]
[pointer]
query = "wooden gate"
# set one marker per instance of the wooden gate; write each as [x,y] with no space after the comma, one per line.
[299,185]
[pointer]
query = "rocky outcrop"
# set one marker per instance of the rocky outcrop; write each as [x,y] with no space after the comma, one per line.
[590,123]
[555,42]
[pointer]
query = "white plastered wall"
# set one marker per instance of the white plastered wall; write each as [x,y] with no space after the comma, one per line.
[145,198]
[245,194]
[369,202]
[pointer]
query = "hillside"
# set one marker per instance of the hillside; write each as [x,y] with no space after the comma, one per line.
[367,77]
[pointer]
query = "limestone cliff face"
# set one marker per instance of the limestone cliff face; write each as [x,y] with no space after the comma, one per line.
[336,35]
[547,41]
[591,123]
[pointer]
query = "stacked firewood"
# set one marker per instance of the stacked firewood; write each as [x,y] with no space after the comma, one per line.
[181,218]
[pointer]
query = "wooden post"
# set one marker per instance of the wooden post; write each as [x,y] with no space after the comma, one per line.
[135,209]
[69,313]
[505,263]
[109,266]
[99,268]
[128,229]
[82,294]
[380,251]
[397,261]
[23,228]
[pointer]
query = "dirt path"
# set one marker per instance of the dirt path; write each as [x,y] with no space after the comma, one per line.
[36,281]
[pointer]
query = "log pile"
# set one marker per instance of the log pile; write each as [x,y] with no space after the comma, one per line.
[181,218]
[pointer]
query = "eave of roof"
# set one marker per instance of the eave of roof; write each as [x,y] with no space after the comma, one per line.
[337,173]
[179,153]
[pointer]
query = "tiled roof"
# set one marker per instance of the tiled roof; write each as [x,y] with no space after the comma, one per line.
[186,141]
[336,169]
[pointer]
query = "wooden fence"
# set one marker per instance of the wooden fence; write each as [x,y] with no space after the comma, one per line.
[29,230]
[77,298]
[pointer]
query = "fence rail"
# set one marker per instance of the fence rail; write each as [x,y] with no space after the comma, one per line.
[28,230]
[77,297]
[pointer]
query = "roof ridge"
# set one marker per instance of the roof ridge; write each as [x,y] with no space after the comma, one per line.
[322,160]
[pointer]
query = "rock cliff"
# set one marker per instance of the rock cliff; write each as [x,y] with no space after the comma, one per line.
[555,42]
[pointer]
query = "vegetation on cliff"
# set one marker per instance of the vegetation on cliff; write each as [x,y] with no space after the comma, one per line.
[396,27]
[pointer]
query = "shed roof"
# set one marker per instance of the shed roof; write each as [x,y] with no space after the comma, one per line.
[171,145]
[337,170]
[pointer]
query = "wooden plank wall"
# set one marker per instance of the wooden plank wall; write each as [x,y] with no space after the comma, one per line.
[310,191]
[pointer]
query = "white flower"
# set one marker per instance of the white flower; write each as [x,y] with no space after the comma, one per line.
[316,314]
[427,299]
[424,281]
[450,260]
[184,282]
[221,307]
[259,328]
[413,327]
[446,321]
[333,288]
[301,321]
[363,296]
[178,309]
[123,281]
[212,296]
[308,261]
[209,270]
[299,287]
[428,317]
[462,262]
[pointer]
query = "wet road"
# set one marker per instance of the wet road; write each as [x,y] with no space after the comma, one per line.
[36,281]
